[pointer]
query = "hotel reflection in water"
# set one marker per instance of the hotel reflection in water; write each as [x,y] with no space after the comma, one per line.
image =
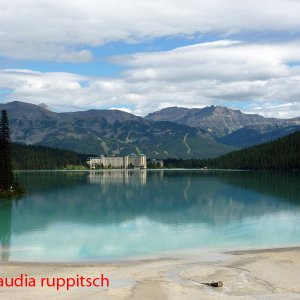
[118,176]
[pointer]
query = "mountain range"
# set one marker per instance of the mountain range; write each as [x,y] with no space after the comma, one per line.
[228,126]
[171,132]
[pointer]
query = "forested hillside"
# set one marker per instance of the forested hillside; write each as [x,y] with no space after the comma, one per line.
[109,132]
[26,157]
[282,154]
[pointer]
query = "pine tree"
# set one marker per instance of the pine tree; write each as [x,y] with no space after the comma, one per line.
[6,174]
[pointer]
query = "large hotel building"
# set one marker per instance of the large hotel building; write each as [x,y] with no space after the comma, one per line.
[118,162]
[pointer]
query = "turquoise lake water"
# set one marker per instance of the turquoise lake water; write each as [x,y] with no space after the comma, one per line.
[110,215]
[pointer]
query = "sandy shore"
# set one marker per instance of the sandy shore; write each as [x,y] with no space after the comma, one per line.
[260,274]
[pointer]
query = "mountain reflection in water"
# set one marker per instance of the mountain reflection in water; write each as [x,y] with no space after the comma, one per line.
[180,205]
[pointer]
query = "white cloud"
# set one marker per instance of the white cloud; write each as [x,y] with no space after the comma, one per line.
[283,111]
[64,30]
[256,76]
[122,109]
[224,61]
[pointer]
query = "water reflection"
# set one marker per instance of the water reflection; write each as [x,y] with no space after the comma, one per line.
[169,197]
[118,176]
[107,212]
[5,229]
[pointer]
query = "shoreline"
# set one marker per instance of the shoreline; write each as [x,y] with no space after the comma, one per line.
[154,170]
[176,254]
[247,274]
[264,250]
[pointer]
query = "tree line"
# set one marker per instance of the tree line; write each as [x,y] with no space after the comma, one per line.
[35,157]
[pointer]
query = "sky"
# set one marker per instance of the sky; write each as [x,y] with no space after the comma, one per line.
[142,56]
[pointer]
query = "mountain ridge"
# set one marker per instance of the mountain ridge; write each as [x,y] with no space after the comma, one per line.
[110,132]
[170,132]
[187,116]
[223,123]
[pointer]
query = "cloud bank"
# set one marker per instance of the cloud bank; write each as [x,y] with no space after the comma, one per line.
[262,78]
[67,30]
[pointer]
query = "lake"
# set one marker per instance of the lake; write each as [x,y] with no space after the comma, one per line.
[110,215]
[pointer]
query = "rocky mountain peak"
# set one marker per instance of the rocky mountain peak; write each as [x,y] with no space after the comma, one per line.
[43,105]
[221,110]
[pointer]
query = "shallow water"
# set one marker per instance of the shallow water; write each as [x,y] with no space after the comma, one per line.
[109,215]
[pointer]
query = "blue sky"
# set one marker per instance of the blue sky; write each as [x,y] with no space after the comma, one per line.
[147,55]
[100,65]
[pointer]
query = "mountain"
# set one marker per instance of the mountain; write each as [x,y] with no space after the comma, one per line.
[228,126]
[171,132]
[111,132]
